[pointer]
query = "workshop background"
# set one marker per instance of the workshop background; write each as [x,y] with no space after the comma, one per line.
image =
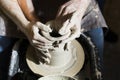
[111,13]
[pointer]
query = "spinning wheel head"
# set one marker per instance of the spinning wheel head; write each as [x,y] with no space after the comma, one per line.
[67,63]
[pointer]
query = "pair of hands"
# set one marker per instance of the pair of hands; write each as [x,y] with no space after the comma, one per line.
[68,19]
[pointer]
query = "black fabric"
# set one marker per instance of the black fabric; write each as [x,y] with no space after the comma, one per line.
[47,9]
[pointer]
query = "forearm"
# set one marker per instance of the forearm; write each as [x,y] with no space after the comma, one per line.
[13,11]
[83,7]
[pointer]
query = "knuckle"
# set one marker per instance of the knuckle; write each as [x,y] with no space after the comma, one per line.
[33,42]
[37,23]
[35,36]
[68,8]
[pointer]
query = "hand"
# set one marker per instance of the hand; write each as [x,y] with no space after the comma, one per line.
[35,38]
[70,11]
[75,10]
[69,7]
[74,25]
[71,25]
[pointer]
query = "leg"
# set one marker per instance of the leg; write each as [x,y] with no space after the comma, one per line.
[97,38]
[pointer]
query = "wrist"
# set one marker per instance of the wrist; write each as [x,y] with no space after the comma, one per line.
[24,26]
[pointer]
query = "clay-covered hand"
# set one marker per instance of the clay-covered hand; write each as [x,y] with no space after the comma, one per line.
[73,11]
[74,26]
[41,44]
[35,38]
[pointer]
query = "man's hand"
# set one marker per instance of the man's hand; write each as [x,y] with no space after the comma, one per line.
[35,38]
[40,43]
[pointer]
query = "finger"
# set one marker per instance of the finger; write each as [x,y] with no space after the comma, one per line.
[74,16]
[38,56]
[62,30]
[60,10]
[44,56]
[43,60]
[47,61]
[63,9]
[70,25]
[40,38]
[42,48]
[40,60]
[72,22]
[43,27]
[67,25]
[68,10]
[45,53]
[36,42]
[41,42]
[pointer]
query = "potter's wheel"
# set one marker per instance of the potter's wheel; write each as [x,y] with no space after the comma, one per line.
[68,64]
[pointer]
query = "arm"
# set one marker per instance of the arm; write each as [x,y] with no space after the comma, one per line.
[28,9]
[12,9]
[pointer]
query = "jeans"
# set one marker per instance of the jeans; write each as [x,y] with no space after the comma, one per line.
[97,38]
[5,52]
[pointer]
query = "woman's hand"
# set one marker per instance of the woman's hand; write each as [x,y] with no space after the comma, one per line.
[73,12]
